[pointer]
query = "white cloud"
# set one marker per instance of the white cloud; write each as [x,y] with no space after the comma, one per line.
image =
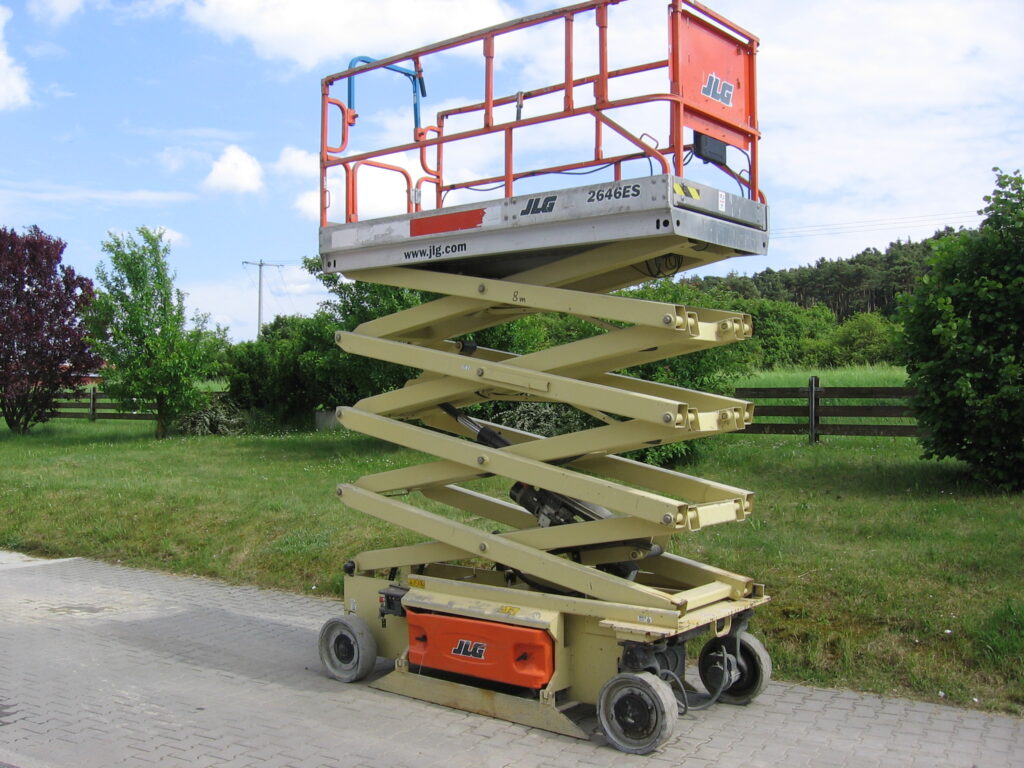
[307,204]
[173,237]
[235,171]
[46,49]
[74,195]
[145,9]
[297,162]
[14,85]
[54,12]
[318,33]
[58,91]
[175,158]
[208,139]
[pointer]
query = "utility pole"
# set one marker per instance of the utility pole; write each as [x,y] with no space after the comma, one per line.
[259,304]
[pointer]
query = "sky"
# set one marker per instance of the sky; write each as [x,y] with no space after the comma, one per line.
[880,121]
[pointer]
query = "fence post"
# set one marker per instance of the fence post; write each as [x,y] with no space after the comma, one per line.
[812,410]
[92,403]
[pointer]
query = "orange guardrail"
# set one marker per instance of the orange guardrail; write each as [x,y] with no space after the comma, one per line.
[708,76]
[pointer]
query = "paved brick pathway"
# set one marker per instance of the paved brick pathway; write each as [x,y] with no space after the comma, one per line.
[104,666]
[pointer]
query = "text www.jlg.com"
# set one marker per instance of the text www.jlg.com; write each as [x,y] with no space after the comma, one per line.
[435,251]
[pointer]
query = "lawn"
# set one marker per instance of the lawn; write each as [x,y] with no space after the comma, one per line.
[889,574]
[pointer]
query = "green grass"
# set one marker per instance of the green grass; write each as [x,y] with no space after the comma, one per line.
[889,574]
[870,553]
[258,509]
[854,376]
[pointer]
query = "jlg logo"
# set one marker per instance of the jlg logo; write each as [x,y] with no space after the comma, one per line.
[718,89]
[469,650]
[536,205]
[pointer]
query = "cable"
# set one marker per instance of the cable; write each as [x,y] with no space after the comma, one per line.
[875,225]
[584,173]
[284,289]
[881,228]
[499,185]
[878,221]
[682,701]
[666,265]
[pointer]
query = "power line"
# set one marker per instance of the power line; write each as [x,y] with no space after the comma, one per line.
[876,225]
[259,305]
[285,291]
[890,219]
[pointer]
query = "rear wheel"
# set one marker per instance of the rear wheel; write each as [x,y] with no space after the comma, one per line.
[348,649]
[745,673]
[637,712]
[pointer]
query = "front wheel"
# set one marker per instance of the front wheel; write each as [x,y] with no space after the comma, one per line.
[348,649]
[746,670]
[637,712]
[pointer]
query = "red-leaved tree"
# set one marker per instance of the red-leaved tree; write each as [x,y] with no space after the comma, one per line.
[43,351]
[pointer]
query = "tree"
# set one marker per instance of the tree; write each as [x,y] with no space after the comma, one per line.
[43,349]
[154,363]
[965,345]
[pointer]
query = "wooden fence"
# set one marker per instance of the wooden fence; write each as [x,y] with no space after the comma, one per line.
[95,405]
[818,403]
[817,411]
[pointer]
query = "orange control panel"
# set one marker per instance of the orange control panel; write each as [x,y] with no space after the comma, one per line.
[486,649]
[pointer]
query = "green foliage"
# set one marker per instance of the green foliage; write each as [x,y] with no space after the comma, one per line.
[710,370]
[866,338]
[786,334]
[293,368]
[545,419]
[964,342]
[357,303]
[870,281]
[153,361]
[218,416]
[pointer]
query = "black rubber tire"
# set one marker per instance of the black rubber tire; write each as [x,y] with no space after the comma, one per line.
[637,712]
[348,649]
[753,662]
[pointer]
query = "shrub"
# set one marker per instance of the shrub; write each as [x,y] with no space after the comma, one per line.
[218,416]
[293,368]
[964,343]
[867,338]
[787,335]
[545,419]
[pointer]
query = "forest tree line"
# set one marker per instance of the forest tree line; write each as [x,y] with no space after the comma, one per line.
[867,282]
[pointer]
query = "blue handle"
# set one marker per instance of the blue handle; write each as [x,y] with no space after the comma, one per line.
[419,88]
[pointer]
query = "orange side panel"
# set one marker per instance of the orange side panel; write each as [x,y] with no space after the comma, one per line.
[718,80]
[486,649]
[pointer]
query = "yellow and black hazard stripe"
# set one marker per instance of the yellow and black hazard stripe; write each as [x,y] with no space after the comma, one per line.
[686,190]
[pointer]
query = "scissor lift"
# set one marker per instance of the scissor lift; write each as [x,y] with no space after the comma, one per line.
[566,603]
